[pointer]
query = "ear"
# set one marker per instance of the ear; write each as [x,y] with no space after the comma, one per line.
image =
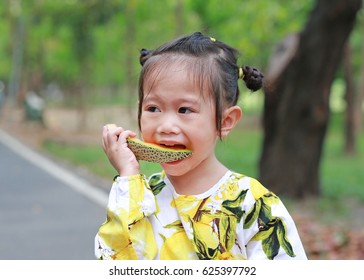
[231,117]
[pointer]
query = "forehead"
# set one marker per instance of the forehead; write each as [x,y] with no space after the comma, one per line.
[191,70]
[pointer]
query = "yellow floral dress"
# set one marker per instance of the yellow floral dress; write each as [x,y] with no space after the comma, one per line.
[237,218]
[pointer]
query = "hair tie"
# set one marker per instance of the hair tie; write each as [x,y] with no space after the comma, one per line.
[212,39]
[241,73]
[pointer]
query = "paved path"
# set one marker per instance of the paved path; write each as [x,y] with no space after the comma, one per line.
[46,212]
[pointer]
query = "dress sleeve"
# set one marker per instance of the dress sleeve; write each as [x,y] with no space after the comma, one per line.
[271,231]
[127,233]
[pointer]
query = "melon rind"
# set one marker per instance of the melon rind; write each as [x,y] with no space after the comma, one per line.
[155,153]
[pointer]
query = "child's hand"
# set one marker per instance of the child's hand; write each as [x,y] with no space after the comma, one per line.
[116,149]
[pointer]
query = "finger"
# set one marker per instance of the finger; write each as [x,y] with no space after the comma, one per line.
[111,125]
[126,134]
[103,137]
[112,133]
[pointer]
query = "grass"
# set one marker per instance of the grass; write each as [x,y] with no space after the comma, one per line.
[341,175]
[90,157]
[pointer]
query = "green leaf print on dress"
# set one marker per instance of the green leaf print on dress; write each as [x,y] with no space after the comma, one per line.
[157,183]
[234,206]
[213,222]
[214,235]
[272,230]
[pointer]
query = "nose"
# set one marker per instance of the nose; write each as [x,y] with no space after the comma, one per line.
[169,124]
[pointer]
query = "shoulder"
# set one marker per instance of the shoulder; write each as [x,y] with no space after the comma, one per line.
[250,184]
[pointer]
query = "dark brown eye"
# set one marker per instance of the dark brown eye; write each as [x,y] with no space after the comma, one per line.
[184,110]
[152,109]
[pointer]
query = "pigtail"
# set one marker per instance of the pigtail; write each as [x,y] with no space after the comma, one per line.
[144,55]
[252,77]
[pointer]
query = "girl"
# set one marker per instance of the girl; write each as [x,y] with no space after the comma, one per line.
[196,208]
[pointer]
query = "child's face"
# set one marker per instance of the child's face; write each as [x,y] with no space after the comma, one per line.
[175,113]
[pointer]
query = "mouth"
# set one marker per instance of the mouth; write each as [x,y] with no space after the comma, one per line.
[173,146]
[173,162]
[176,147]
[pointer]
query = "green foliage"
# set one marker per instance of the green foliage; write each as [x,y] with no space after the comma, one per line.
[87,43]
[5,62]
[254,27]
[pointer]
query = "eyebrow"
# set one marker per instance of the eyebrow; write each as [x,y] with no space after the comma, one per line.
[153,98]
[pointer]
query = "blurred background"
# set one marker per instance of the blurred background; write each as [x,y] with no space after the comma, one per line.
[67,67]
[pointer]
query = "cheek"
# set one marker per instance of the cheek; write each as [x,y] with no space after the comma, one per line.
[142,120]
[146,125]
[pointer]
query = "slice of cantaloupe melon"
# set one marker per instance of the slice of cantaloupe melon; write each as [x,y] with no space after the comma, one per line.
[155,153]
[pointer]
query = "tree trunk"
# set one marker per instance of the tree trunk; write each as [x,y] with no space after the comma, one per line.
[296,109]
[349,125]
[360,95]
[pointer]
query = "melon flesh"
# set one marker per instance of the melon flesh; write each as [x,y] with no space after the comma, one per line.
[155,153]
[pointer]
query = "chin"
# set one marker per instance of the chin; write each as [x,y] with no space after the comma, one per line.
[175,169]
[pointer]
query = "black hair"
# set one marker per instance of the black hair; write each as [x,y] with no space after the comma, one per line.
[213,63]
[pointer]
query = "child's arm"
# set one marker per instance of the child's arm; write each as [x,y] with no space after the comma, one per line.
[127,233]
